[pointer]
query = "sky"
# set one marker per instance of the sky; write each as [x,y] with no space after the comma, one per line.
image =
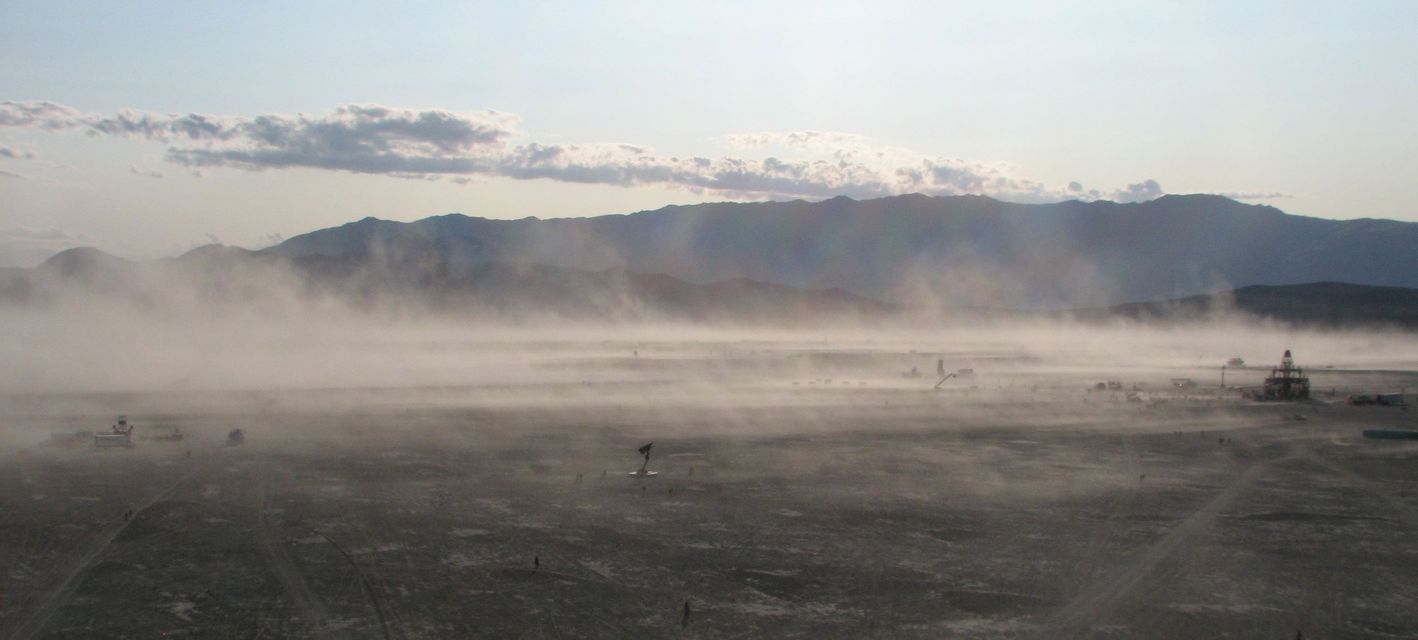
[149,128]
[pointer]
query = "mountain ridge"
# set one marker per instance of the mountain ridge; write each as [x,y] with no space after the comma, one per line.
[218,277]
[1315,305]
[962,250]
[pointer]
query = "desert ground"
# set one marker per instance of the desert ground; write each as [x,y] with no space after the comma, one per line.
[805,490]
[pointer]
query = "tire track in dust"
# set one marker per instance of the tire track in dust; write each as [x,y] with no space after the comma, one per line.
[1088,563]
[297,590]
[70,584]
[364,582]
[293,580]
[1401,508]
[1103,597]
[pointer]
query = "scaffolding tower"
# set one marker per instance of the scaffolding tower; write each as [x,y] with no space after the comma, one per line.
[1286,382]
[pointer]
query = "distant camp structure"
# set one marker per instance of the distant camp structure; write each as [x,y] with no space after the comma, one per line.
[1380,399]
[70,439]
[235,437]
[121,435]
[1286,382]
[643,472]
[174,436]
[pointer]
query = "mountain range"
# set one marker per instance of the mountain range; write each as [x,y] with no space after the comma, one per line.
[218,279]
[1318,304]
[922,251]
[838,258]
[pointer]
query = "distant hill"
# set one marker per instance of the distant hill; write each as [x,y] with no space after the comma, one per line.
[422,283]
[1320,304]
[960,251]
[412,283]
[502,289]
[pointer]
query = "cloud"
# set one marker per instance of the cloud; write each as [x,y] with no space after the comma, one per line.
[1139,192]
[1253,195]
[50,116]
[147,173]
[361,139]
[800,139]
[11,174]
[38,115]
[434,143]
[16,154]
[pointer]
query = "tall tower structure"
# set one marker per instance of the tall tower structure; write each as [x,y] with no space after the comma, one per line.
[1286,382]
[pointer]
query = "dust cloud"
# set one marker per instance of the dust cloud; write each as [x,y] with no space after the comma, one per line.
[403,467]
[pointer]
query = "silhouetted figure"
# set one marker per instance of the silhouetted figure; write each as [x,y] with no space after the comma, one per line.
[642,488]
[691,472]
[603,474]
[536,562]
[672,490]
[684,620]
[578,478]
[1298,635]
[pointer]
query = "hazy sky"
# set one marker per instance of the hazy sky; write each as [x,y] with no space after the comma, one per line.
[148,128]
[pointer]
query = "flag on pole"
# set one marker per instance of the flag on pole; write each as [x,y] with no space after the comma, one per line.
[645,450]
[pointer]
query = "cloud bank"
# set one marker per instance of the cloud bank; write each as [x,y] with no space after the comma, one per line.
[464,145]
